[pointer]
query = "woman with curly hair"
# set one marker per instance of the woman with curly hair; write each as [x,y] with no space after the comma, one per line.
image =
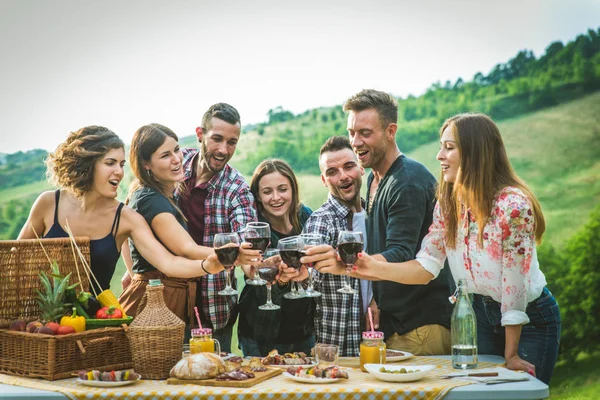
[88,168]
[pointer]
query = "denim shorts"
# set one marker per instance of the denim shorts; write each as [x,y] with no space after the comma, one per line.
[540,338]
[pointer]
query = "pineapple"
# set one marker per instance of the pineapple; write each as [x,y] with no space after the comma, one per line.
[51,299]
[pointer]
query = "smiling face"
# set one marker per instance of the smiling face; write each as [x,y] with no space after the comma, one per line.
[165,162]
[342,175]
[369,139]
[218,144]
[108,172]
[275,195]
[449,155]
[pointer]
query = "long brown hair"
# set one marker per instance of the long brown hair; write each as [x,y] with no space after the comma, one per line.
[484,170]
[276,165]
[145,142]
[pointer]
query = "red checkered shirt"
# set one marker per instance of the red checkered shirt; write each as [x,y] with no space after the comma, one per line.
[229,206]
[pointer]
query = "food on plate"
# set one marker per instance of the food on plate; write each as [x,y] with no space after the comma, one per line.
[199,366]
[330,372]
[394,353]
[274,358]
[233,363]
[238,374]
[112,376]
[398,371]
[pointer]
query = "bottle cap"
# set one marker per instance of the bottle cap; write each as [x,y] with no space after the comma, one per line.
[201,331]
[372,335]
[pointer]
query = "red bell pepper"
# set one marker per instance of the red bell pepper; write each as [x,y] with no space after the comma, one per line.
[109,313]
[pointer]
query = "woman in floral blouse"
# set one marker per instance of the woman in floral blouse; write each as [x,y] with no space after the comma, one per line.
[486,223]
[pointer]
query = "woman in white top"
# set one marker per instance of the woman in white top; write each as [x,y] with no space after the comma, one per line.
[486,223]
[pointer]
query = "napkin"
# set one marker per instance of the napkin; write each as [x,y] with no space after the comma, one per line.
[504,375]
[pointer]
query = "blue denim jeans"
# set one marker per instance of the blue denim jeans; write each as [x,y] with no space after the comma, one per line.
[540,338]
[249,346]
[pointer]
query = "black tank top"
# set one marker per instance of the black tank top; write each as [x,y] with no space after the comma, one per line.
[103,252]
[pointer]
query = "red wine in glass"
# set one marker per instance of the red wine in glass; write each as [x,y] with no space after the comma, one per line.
[349,252]
[259,243]
[291,258]
[227,255]
[268,272]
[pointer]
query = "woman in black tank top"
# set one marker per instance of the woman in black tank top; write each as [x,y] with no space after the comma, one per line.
[88,166]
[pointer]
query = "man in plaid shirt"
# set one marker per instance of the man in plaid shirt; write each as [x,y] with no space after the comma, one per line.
[339,316]
[216,199]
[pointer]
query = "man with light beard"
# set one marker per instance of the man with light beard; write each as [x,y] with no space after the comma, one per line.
[400,202]
[215,198]
[339,316]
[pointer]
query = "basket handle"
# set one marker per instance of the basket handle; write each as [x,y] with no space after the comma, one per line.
[93,342]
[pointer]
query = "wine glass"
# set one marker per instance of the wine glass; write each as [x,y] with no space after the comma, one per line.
[290,251]
[227,247]
[259,234]
[268,270]
[311,239]
[350,243]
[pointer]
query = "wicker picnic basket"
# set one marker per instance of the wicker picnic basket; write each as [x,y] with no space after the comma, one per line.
[155,336]
[46,356]
[21,262]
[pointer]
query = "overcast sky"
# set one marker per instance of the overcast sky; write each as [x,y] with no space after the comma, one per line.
[123,64]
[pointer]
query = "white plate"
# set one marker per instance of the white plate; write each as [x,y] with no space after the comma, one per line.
[405,355]
[422,370]
[310,380]
[105,384]
[286,366]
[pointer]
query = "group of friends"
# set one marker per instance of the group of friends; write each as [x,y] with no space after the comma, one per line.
[480,220]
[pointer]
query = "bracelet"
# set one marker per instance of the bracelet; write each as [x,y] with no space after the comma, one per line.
[202,265]
[281,283]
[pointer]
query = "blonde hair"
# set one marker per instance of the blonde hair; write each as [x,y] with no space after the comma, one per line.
[484,170]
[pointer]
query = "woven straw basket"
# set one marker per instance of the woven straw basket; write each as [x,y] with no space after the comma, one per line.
[21,262]
[155,337]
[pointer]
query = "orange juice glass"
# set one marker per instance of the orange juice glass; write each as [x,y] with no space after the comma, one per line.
[203,342]
[372,349]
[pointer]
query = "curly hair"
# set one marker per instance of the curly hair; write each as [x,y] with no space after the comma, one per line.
[71,165]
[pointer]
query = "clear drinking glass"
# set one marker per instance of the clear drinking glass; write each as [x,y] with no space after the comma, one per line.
[290,249]
[227,247]
[350,243]
[259,234]
[268,270]
[311,239]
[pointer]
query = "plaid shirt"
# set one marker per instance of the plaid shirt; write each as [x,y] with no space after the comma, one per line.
[338,317]
[228,207]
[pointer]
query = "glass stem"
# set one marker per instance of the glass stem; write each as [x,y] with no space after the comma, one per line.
[310,279]
[228,276]
[269,302]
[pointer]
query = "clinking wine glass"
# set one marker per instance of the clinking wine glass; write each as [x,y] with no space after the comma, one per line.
[268,269]
[259,234]
[227,247]
[350,243]
[309,240]
[290,250]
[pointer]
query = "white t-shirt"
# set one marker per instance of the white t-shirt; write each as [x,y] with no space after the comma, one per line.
[366,288]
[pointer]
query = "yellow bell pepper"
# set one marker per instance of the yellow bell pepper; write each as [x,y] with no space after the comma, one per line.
[78,323]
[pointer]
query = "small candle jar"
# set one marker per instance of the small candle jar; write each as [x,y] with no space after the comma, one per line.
[372,349]
[203,342]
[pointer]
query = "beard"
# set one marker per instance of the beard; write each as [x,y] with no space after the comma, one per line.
[207,156]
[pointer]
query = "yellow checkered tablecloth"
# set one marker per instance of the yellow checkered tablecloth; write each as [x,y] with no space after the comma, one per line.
[361,385]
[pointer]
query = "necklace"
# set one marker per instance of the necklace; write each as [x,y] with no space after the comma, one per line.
[372,199]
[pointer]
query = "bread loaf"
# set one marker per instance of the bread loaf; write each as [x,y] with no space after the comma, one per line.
[198,366]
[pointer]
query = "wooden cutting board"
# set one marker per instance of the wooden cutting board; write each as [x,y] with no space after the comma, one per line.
[258,377]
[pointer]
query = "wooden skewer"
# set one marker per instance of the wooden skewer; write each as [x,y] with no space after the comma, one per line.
[41,245]
[86,267]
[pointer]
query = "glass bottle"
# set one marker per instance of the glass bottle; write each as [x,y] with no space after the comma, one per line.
[372,349]
[203,342]
[463,330]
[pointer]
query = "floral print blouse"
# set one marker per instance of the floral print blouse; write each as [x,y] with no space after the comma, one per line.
[506,268]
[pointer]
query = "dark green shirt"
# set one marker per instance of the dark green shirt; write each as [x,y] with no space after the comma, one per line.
[400,217]
[149,203]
